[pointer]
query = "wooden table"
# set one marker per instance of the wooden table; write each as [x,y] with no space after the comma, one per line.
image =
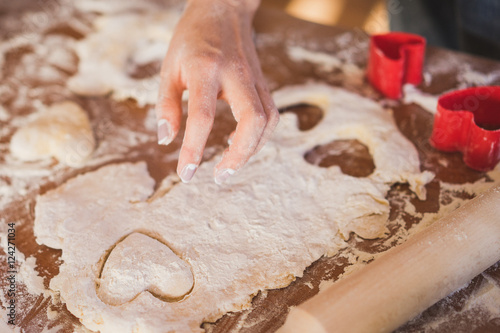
[275,33]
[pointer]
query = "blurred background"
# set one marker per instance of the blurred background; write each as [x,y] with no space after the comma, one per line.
[369,15]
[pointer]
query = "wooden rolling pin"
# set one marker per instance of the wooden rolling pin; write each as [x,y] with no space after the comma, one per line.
[409,278]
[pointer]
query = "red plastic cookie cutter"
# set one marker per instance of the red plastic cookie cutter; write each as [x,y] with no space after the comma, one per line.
[468,120]
[395,58]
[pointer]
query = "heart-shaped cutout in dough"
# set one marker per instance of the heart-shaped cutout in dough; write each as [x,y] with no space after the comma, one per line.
[140,264]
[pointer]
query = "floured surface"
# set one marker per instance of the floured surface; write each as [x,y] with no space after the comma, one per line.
[45,53]
[257,233]
[41,56]
[121,42]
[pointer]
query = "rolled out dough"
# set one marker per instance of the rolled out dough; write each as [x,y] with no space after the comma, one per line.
[277,216]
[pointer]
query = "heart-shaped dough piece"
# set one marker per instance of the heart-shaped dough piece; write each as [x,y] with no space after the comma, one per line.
[140,264]
[62,131]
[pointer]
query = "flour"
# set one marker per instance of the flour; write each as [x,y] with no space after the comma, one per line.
[26,272]
[29,276]
[259,232]
[467,76]
[39,73]
[477,187]
[354,75]
[413,95]
[119,39]
[481,307]
[26,278]
[35,63]
[326,62]
[440,63]
[488,298]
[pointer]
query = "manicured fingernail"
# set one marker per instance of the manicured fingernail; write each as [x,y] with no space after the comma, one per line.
[163,132]
[187,172]
[223,175]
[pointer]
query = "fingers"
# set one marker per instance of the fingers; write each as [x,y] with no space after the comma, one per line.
[252,120]
[252,107]
[201,114]
[240,83]
[168,110]
[272,115]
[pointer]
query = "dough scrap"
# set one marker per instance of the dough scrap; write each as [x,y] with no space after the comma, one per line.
[277,216]
[62,131]
[140,263]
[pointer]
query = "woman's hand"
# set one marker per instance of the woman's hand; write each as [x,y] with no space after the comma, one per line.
[213,56]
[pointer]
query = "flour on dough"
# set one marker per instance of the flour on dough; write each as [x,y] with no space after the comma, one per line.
[62,131]
[140,263]
[122,39]
[277,216]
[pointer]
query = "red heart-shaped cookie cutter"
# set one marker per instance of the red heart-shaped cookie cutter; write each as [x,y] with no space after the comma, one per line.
[468,120]
[395,58]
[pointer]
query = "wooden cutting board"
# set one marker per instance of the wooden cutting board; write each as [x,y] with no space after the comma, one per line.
[276,32]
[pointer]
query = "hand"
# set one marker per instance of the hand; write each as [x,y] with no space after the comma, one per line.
[213,56]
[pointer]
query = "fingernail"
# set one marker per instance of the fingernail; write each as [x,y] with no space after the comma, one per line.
[223,175]
[187,172]
[163,132]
